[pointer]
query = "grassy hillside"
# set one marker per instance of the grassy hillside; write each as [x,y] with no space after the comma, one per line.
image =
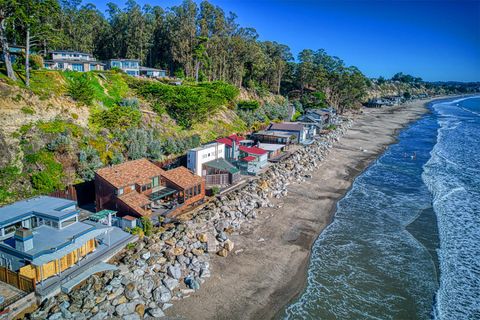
[68,124]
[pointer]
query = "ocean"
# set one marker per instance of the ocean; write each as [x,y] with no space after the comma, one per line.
[405,240]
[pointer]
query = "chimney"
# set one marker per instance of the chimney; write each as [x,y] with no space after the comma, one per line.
[234,150]
[23,239]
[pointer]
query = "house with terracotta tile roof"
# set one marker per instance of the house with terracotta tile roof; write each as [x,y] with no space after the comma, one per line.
[139,187]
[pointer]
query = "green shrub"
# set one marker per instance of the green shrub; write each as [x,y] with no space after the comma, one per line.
[81,90]
[215,190]
[88,162]
[36,61]
[248,105]
[147,226]
[187,104]
[49,177]
[117,117]
[140,143]
[331,127]
[56,126]
[131,245]
[28,110]
[138,231]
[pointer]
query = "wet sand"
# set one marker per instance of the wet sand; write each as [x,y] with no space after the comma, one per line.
[270,271]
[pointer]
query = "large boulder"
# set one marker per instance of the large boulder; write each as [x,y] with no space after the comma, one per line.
[162,294]
[156,313]
[174,272]
[131,291]
[125,308]
[170,283]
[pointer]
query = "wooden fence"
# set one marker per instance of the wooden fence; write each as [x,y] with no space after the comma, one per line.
[17,280]
[69,193]
[221,179]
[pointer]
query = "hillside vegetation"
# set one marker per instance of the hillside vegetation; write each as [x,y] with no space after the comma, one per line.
[68,124]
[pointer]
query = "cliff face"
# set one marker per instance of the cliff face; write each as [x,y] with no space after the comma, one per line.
[394,89]
[20,107]
[49,140]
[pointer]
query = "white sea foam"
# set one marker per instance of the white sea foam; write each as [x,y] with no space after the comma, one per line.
[456,202]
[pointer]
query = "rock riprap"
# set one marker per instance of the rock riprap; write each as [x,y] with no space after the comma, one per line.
[174,263]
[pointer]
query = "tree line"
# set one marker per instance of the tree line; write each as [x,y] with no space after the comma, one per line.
[200,42]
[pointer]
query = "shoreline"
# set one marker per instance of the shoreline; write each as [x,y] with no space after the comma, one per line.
[240,288]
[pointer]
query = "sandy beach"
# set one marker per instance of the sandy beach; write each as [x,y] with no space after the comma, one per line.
[269,267]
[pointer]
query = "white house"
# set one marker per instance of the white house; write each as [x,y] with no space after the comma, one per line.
[203,154]
[71,55]
[74,61]
[129,66]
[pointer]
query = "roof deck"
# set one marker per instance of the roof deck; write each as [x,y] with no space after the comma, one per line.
[50,207]
[48,239]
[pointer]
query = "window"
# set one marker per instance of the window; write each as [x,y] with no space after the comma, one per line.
[51,223]
[155,181]
[119,191]
[132,187]
[60,65]
[69,221]
[146,187]
[77,67]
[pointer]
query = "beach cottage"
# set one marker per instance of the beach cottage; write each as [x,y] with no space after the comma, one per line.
[290,128]
[42,237]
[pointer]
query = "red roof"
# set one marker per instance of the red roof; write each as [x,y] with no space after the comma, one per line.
[129,218]
[253,150]
[236,138]
[225,141]
[229,140]
[249,158]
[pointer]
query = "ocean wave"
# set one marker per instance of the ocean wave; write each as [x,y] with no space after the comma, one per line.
[456,202]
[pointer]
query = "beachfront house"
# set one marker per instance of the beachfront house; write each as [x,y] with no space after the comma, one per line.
[42,237]
[274,137]
[252,159]
[209,162]
[129,66]
[139,188]
[198,156]
[319,116]
[74,61]
[292,128]
[152,72]
[274,150]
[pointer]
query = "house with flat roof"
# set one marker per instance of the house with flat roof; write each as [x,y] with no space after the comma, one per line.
[41,237]
[135,187]
[209,161]
[198,156]
[73,61]
[129,66]
[293,128]
[274,150]
[274,137]
[152,72]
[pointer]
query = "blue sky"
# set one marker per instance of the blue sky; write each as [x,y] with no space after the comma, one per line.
[436,40]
